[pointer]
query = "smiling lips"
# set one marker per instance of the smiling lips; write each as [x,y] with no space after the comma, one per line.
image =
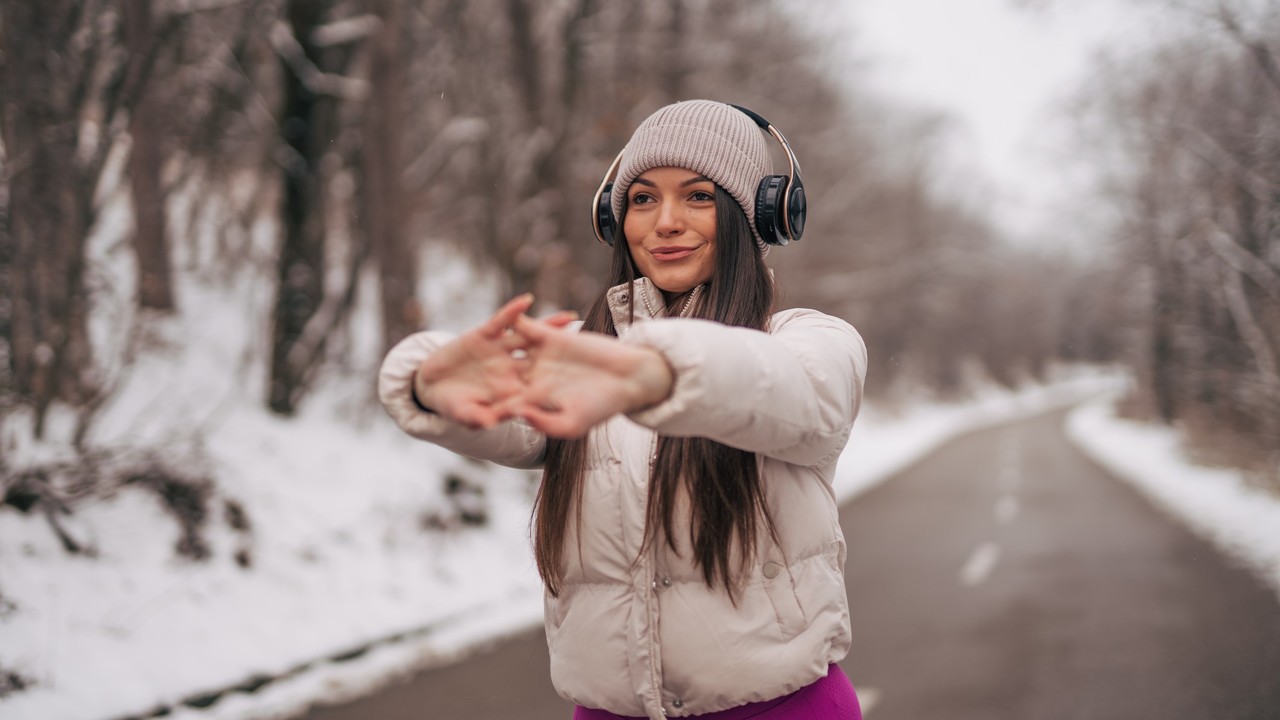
[671,253]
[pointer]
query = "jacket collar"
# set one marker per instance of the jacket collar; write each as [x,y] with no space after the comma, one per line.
[649,303]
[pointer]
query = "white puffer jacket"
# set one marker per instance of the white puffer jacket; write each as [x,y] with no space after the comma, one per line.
[647,636]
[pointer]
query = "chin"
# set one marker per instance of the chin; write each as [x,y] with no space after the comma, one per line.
[675,287]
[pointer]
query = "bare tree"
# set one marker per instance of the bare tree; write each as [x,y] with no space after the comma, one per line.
[74,79]
[1197,122]
[52,171]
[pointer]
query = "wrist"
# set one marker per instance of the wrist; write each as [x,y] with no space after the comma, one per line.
[653,380]
[418,390]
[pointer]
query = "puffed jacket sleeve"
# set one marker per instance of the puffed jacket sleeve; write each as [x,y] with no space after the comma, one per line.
[511,443]
[791,393]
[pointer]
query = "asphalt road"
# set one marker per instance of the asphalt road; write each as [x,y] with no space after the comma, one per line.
[1003,577]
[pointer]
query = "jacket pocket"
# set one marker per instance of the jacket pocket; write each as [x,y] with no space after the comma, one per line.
[780,588]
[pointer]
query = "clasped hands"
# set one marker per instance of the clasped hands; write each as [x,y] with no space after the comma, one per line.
[561,382]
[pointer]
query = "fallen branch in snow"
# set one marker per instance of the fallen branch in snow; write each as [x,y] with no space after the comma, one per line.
[56,489]
[11,682]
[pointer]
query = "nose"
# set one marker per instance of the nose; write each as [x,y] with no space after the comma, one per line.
[671,220]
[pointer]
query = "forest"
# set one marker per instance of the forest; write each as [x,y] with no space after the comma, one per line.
[328,149]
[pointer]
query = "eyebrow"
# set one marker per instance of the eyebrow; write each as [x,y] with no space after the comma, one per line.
[686,183]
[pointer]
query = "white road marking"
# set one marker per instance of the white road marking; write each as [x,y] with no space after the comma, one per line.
[980,564]
[1009,460]
[1007,508]
[867,699]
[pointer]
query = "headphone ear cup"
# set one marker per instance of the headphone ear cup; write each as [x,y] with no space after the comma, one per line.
[605,223]
[769,221]
[797,210]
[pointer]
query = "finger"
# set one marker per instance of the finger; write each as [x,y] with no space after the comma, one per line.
[534,331]
[513,406]
[531,395]
[467,414]
[499,413]
[473,412]
[553,424]
[506,315]
[512,341]
[480,417]
[560,319]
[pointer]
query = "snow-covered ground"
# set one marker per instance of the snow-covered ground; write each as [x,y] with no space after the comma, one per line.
[1219,504]
[338,501]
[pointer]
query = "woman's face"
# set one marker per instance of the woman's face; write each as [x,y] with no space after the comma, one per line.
[670,227]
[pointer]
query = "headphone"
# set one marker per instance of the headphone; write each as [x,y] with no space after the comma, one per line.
[780,202]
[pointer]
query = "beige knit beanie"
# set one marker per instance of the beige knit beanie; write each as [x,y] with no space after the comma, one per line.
[704,136]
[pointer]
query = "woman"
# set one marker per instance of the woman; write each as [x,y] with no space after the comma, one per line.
[685,527]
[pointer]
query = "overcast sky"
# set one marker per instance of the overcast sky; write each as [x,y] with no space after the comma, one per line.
[1003,71]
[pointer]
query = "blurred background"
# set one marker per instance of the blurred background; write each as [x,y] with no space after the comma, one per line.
[217,215]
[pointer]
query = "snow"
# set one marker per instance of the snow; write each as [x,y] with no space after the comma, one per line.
[339,559]
[1217,503]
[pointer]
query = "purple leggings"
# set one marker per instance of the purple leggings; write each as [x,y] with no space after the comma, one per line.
[829,698]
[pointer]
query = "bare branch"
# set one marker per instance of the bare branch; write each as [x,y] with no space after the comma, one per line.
[434,157]
[315,80]
[1257,48]
[188,7]
[345,31]
[305,354]
[1244,262]
[1211,150]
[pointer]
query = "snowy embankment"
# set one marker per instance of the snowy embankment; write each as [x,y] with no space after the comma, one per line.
[1216,503]
[360,569]
[885,443]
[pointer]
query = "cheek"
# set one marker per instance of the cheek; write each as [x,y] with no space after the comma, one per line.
[707,267]
[632,226]
[637,257]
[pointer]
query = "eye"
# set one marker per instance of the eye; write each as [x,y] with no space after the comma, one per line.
[702,196]
[641,198]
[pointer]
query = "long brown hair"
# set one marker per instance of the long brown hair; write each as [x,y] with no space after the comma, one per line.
[726,500]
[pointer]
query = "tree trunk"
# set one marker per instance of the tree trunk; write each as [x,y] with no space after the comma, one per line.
[49,207]
[1163,353]
[306,127]
[384,217]
[150,246]
[674,68]
[7,272]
